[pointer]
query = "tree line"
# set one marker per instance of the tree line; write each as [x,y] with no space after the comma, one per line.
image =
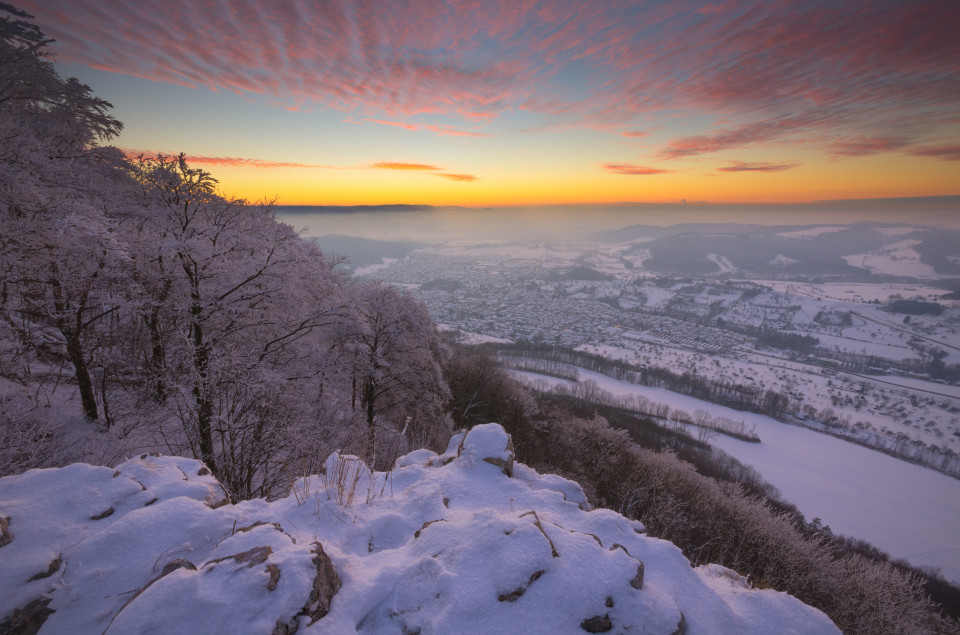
[707,503]
[723,392]
[187,321]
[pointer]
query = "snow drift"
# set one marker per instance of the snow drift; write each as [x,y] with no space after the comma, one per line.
[466,542]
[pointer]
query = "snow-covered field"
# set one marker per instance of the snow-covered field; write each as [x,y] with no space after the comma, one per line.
[906,510]
[466,542]
[369,269]
[899,259]
[853,291]
[465,337]
[915,408]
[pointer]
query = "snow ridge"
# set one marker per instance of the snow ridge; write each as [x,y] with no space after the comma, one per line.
[467,541]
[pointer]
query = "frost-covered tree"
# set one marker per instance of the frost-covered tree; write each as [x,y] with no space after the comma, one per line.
[56,191]
[229,292]
[393,354]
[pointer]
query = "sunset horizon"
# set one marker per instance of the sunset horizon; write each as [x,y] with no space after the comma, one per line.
[505,104]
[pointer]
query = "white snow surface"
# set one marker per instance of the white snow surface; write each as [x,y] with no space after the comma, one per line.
[907,510]
[721,261]
[464,542]
[375,267]
[812,232]
[899,259]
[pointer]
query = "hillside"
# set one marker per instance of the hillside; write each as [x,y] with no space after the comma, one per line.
[468,541]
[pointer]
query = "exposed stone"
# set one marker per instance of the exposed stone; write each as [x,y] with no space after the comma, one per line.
[170,567]
[203,471]
[274,572]
[597,624]
[681,625]
[416,534]
[617,545]
[514,595]
[173,565]
[259,523]
[325,586]
[220,503]
[150,502]
[538,525]
[5,536]
[103,514]
[29,619]
[250,557]
[53,568]
[284,629]
[504,464]
[609,603]
[637,581]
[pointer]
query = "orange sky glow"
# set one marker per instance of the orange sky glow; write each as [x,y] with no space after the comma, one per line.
[516,102]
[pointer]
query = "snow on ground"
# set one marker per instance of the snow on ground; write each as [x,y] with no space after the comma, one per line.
[466,542]
[657,297]
[922,384]
[369,269]
[895,231]
[883,403]
[890,349]
[465,337]
[782,260]
[908,511]
[721,261]
[504,251]
[897,259]
[859,292]
[812,232]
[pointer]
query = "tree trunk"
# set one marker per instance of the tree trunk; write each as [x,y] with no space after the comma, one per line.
[201,364]
[369,391]
[71,333]
[84,384]
[156,355]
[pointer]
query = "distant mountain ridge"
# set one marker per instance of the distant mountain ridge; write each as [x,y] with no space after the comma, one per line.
[802,251]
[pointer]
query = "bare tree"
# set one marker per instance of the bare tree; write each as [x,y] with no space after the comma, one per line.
[394,355]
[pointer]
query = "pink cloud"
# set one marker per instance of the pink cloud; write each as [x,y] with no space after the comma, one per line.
[443,130]
[788,71]
[742,166]
[450,131]
[867,146]
[944,153]
[456,177]
[236,162]
[405,126]
[632,170]
[636,134]
[390,165]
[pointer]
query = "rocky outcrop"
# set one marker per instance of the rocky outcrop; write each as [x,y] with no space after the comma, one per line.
[467,541]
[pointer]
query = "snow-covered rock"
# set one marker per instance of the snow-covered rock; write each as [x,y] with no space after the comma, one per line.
[468,542]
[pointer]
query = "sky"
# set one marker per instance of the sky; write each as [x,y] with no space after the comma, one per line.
[530,102]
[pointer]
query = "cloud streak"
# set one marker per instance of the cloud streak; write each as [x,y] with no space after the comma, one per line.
[742,166]
[442,130]
[391,165]
[463,178]
[632,170]
[233,162]
[803,72]
[944,153]
[423,167]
